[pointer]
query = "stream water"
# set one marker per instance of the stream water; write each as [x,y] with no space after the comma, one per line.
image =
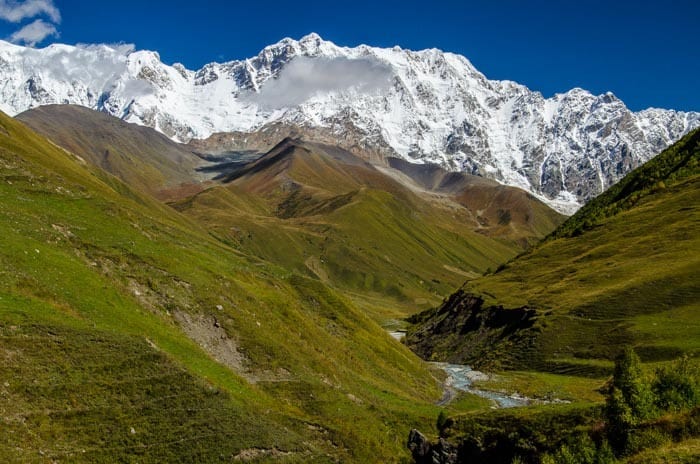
[461,378]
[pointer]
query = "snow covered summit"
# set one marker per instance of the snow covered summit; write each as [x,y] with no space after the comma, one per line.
[424,106]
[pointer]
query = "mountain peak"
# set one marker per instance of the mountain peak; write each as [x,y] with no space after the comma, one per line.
[426,106]
[311,40]
[311,37]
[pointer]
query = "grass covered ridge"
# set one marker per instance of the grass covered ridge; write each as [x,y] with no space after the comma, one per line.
[98,285]
[321,212]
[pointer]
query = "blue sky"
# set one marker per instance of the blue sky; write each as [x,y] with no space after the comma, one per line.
[646,52]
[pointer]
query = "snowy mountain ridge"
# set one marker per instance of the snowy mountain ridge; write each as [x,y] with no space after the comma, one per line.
[424,106]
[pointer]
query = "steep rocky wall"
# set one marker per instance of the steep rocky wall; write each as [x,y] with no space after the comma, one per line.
[465,331]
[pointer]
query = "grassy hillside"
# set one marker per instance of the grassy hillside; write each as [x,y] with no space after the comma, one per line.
[676,164]
[394,239]
[143,158]
[624,270]
[322,212]
[127,333]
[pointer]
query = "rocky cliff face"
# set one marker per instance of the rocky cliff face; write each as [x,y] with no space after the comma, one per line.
[422,106]
[463,330]
[424,452]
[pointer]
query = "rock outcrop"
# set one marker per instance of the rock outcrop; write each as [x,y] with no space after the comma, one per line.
[424,452]
[463,330]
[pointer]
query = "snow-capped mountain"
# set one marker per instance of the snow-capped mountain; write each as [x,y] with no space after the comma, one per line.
[423,106]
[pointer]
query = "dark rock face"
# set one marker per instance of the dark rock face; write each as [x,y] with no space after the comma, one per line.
[462,330]
[551,179]
[419,445]
[424,452]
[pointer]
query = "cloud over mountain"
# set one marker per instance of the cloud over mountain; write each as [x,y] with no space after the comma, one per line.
[305,77]
[99,65]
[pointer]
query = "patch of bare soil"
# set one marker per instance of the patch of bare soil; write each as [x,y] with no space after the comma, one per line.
[254,454]
[314,264]
[208,332]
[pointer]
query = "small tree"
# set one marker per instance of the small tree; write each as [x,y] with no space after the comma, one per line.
[443,423]
[630,400]
[619,419]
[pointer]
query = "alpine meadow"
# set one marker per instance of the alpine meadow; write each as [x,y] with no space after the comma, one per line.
[338,254]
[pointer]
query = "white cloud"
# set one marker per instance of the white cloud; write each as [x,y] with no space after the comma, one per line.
[15,12]
[99,66]
[120,48]
[33,33]
[36,31]
[306,77]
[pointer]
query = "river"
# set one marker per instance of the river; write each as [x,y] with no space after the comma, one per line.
[461,378]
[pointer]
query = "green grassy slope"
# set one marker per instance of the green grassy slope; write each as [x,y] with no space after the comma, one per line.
[98,286]
[396,240]
[319,211]
[75,393]
[624,270]
[684,452]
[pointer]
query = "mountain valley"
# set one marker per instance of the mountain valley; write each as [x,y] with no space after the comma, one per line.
[621,272]
[232,289]
[319,210]
[220,265]
[98,277]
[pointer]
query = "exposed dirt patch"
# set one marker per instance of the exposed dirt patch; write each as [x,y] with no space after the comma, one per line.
[314,264]
[467,274]
[145,296]
[254,454]
[208,332]
[63,230]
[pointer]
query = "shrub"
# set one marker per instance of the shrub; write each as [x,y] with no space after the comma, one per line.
[640,440]
[677,387]
[443,423]
[581,450]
